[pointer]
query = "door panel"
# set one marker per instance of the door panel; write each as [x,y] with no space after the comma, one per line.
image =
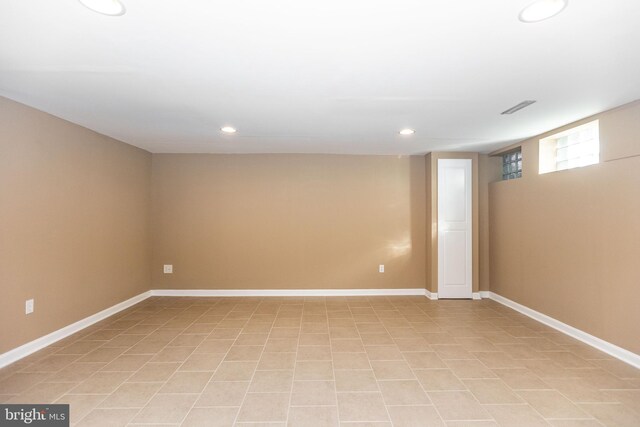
[454,271]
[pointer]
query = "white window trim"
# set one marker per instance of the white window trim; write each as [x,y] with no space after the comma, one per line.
[548,147]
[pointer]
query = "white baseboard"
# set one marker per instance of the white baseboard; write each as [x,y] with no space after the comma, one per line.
[431,295]
[475,295]
[600,344]
[18,353]
[40,343]
[282,292]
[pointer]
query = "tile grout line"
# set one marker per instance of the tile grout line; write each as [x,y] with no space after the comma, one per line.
[85,334]
[412,370]
[236,419]
[217,367]
[453,373]
[178,368]
[295,363]
[155,354]
[132,373]
[492,323]
[369,360]
[333,367]
[435,407]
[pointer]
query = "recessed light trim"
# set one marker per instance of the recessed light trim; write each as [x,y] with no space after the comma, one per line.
[407,131]
[228,129]
[105,7]
[541,10]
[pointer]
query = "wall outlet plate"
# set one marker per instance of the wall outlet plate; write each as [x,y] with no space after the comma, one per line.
[28,306]
[381,268]
[168,268]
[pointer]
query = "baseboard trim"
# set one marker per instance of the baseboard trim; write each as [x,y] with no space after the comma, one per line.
[431,295]
[475,295]
[24,350]
[31,347]
[595,342]
[283,292]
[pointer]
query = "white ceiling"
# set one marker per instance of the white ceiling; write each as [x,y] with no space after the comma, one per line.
[321,76]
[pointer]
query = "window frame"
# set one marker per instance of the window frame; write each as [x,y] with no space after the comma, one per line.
[512,164]
[574,142]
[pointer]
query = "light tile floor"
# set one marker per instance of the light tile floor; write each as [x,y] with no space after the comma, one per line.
[348,361]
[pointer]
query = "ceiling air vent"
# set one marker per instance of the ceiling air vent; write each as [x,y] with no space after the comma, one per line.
[518,107]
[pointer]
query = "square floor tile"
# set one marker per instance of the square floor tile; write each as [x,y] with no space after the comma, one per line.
[552,404]
[166,409]
[314,371]
[424,360]
[211,417]
[202,362]
[131,395]
[235,371]
[264,407]
[271,381]
[403,392]
[223,393]
[355,380]
[458,405]
[351,361]
[108,418]
[313,416]
[363,407]
[438,380]
[186,382]
[392,370]
[492,391]
[516,415]
[274,361]
[313,393]
[414,416]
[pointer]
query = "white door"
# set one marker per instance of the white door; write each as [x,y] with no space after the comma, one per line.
[454,228]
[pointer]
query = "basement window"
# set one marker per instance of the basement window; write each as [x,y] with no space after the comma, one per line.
[512,165]
[573,148]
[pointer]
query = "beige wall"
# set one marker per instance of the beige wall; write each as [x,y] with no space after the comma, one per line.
[74,231]
[489,170]
[567,243]
[288,221]
[431,230]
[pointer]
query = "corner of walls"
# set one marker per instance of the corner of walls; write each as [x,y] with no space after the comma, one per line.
[489,170]
[77,214]
[430,283]
[569,250]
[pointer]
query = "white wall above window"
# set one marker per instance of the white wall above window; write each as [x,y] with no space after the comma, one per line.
[573,148]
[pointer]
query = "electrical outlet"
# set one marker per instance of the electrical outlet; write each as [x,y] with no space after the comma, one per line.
[168,269]
[28,306]
[381,268]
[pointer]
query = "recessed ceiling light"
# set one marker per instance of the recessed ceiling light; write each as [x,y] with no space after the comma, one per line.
[228,129]
[542,9]
[407,132]
[106,7]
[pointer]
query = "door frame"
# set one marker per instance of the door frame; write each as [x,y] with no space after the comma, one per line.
[467,164]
